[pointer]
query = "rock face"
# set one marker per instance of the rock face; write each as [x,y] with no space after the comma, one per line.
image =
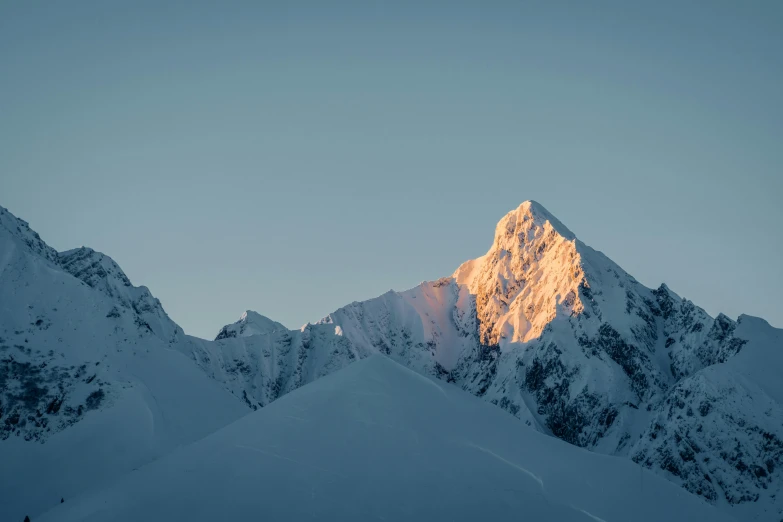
[561,337]
[542,326]
[719,431]
[534,265]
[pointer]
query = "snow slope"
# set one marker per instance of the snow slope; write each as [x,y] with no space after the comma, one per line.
[90,387]
[376,441]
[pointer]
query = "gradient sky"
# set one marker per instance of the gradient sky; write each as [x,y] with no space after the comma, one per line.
[291,160]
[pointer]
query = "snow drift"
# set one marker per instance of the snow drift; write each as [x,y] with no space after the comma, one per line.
[376,441]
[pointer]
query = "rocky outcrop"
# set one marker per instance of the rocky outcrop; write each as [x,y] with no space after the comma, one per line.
[100,272]
[249,324]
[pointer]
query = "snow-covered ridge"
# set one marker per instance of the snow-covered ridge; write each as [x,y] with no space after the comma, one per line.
[250,323]
[563,338]
[542,325]
[533,267]
[21,231]
[89,385]
[100,272]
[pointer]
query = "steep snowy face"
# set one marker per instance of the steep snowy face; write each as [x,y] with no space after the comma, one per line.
[719,432]
[426,328]
[260,368]
[532,268]
[100,272]
[89,387]
[250,323]
[20,230]
[562,331]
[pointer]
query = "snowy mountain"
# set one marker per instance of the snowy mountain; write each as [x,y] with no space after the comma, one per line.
[376,441]
[96,380]
[251,323]
[90,387]
[561,337]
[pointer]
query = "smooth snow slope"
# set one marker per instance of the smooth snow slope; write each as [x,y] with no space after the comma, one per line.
[376,441]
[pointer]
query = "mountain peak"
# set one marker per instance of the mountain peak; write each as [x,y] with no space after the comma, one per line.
[102,273]
[540,216]
[94,268]
[533,266]
[17,229]
[249,323]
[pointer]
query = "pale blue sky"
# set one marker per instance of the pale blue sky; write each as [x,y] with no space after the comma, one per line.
[292,160]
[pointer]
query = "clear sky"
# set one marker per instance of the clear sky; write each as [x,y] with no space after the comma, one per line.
[291,160]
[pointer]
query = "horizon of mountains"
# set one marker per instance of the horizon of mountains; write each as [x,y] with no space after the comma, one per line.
[577,372]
